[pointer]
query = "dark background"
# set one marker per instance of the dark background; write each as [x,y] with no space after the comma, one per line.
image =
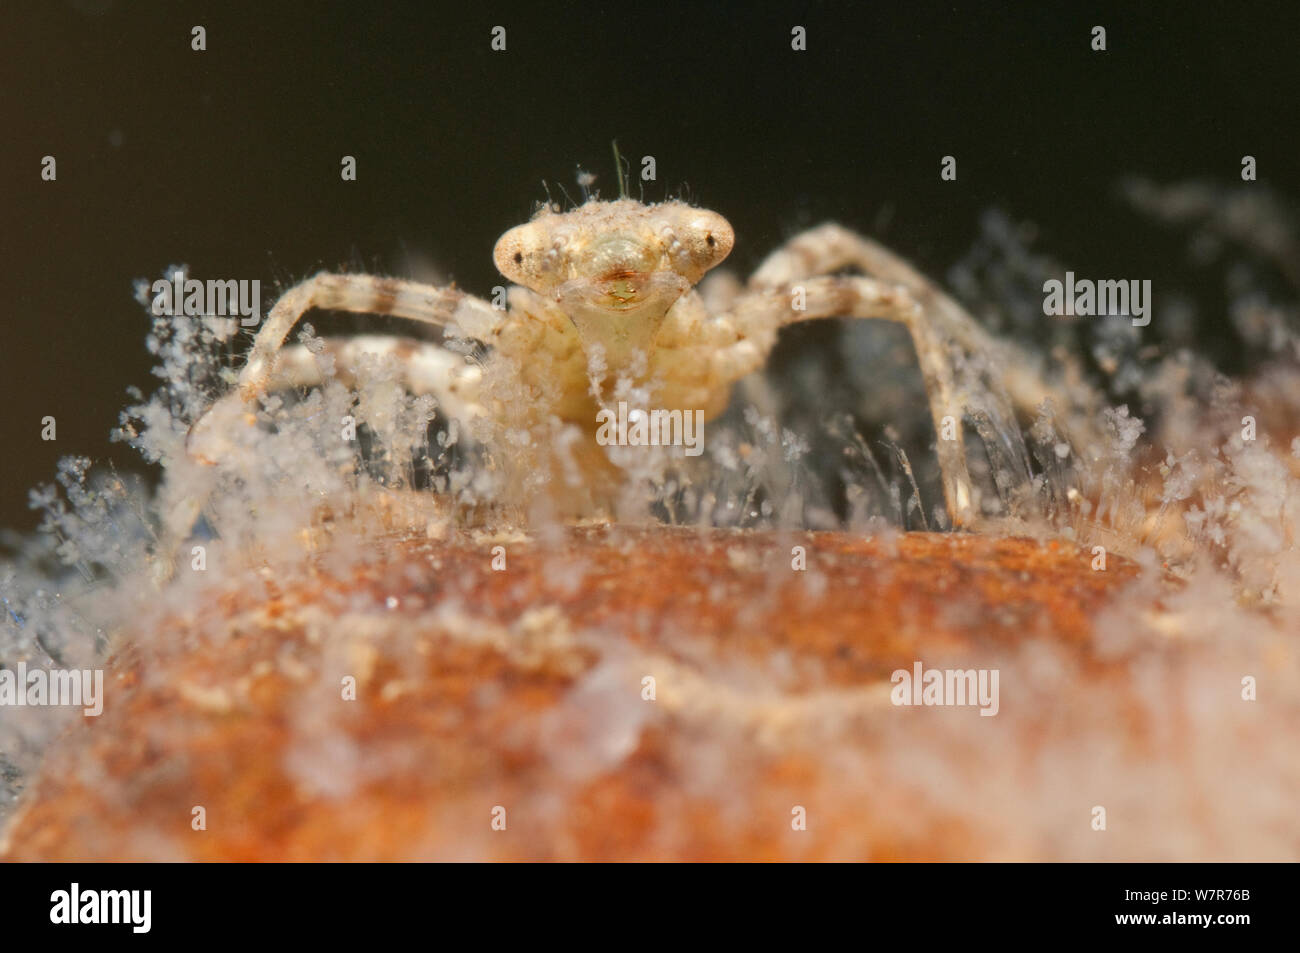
[228,160]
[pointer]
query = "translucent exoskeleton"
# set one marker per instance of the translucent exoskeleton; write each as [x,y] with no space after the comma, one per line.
[605,294]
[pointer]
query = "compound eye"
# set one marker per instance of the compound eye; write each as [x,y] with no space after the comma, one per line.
[516,256]
[712,238]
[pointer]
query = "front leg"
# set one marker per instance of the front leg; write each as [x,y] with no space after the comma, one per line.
[216,435]
[759,315]
[830,247]
[364,294]
[361,294]
[424,367]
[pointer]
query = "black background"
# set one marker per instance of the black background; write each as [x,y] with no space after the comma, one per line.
[228,160]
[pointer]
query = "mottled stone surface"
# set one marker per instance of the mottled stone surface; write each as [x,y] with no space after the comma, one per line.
[523,689]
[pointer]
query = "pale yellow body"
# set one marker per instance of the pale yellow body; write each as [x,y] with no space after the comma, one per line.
[604,304]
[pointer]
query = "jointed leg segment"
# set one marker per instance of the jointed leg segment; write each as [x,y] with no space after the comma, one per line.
[364,294]
[831,247]
[893,291]
[759,314]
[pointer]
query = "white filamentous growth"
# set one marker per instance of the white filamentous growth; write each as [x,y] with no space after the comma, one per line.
[1174,485]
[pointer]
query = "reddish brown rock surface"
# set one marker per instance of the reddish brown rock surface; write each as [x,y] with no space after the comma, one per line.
[523,689]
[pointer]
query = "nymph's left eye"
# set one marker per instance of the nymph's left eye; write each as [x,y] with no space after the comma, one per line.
[710,240]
